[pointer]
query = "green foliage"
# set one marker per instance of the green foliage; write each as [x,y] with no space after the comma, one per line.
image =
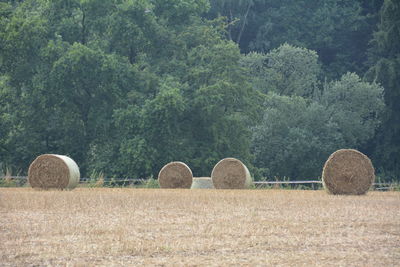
[287,70]
[178,12]
[294,138]
[385,69]
[297,135]
[151,183]
[255,65]
[96,179]
[292,70]
[132,29]
[338,30]
[7,182]
[22,36]
[355,106]
[124,86]
[6,179]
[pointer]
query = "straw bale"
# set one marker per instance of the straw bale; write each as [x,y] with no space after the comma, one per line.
[231,173]
[348,171]
[202,183]
[175,175]
[53,171]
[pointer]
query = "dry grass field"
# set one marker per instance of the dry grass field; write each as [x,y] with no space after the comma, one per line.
[129,227]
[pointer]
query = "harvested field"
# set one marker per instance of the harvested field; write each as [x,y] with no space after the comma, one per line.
[126,227]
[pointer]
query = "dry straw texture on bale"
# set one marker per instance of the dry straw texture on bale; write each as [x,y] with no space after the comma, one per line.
[175,175]
[348,171]
[202,183]
[53,171]
[231,173]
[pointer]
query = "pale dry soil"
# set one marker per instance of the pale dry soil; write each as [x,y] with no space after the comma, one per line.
[130,227]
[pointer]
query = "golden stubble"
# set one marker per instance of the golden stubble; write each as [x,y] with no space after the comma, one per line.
[114,227]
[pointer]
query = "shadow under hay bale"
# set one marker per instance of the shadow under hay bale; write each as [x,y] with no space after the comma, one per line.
[175,175]
[51,171]
[348,172]
[231,173]
[202,183]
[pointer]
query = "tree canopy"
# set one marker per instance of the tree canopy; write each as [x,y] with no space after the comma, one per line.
[126,86]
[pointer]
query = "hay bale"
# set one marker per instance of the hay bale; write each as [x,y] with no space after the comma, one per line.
[53,171]
[231,173]
[202,183]
[175,175]
[348,171]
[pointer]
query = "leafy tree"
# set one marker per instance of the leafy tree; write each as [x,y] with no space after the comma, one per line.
[179,12]
[385,69]
[239,15]
[162,124]
[5,120]
[82,21]
[294,138]
[287,70]
[222,104]
[23,33]
[355,106]
[296,135]
[87,85]
[126,86]
[21,38]
[198,113]
[338,30]
[132,29]
[193,102]
[254,64]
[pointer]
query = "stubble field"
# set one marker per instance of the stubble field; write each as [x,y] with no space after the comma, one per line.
[129,227]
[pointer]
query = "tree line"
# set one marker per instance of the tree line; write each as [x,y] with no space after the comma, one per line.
[126,86]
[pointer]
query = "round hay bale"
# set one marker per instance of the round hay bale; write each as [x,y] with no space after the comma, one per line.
[231,173]
[348,171]
[202,183]
[53,171]
[175,175]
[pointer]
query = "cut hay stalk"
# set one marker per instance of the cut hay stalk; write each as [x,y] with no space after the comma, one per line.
[175,175]
[53,171]
[348,172]
[202,183]
[231,173]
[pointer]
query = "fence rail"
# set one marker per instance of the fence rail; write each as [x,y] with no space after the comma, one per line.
[82,179]
[136,180]
[14,177]
[287,182]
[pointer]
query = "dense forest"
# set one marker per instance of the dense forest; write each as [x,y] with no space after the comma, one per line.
[126,86]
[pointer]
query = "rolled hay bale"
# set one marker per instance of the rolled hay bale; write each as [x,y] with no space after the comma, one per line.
[175,175]
[202,183]
[231,173]
[53,171]
[349,172]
